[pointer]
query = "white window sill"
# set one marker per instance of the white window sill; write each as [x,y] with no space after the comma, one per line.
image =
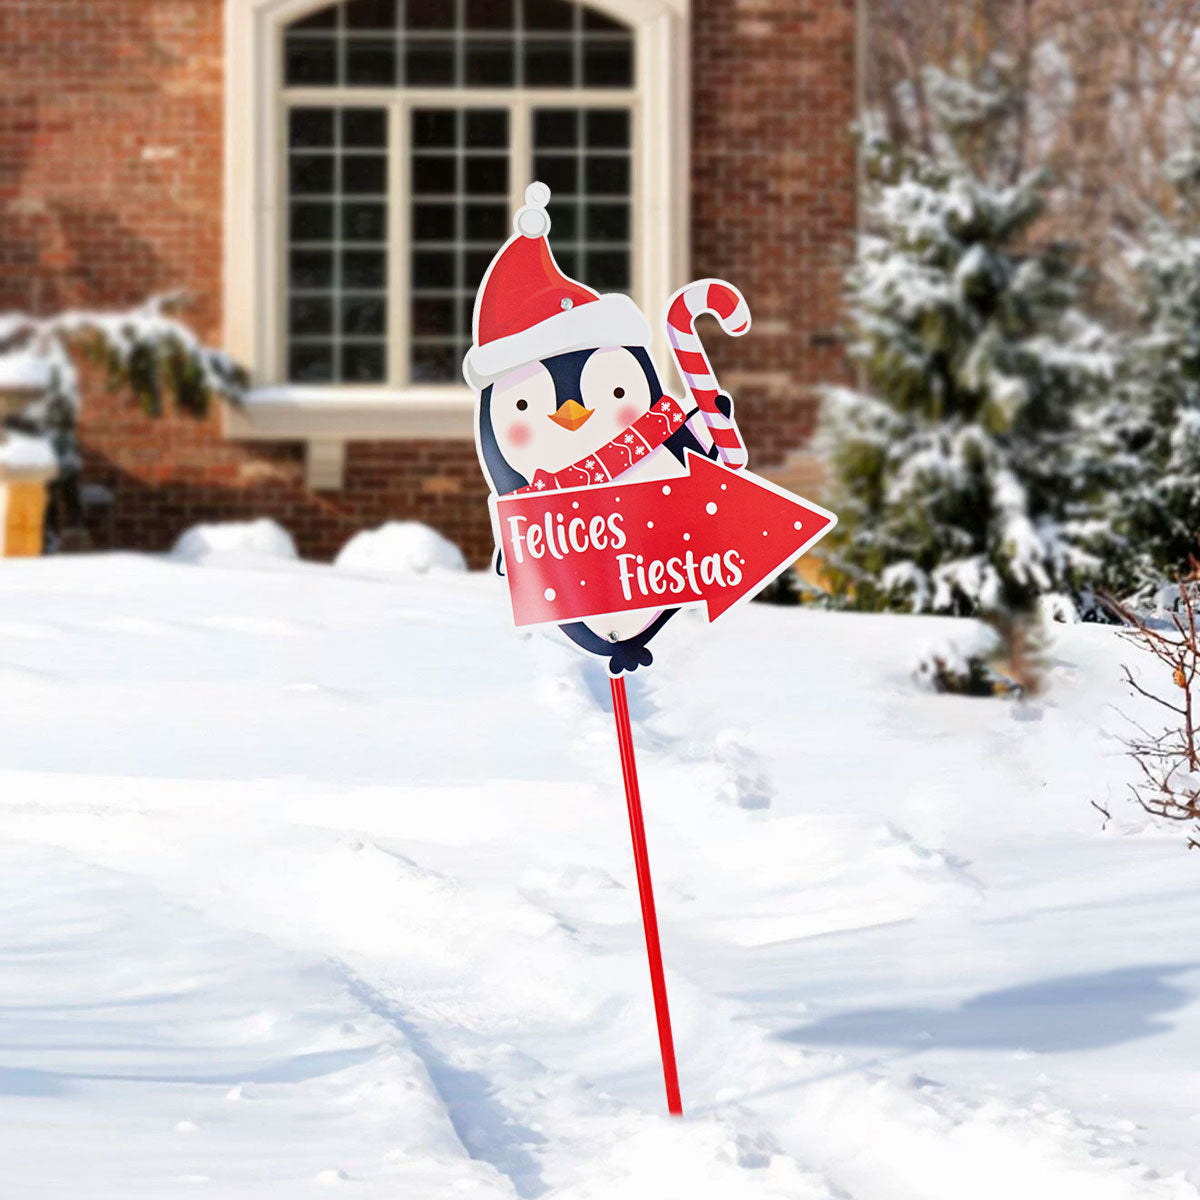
[296,412]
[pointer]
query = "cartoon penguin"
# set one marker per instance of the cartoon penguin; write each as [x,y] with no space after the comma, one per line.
[560,372]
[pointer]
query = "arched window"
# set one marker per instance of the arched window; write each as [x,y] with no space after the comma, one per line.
[427,174]
[379,148]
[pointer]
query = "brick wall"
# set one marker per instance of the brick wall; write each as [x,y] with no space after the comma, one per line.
[111,189]
[774,199]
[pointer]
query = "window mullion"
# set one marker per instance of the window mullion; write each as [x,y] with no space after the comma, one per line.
[399,300]
[520,142]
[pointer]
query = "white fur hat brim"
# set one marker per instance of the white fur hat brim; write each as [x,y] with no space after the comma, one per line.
[612,320]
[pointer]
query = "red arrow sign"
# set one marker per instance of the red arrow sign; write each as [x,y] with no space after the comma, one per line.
[713,536]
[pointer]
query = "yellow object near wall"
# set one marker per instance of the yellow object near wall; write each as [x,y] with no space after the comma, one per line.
[24,515]
[24,511]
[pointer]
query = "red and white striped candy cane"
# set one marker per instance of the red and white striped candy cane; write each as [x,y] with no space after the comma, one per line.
[727,304]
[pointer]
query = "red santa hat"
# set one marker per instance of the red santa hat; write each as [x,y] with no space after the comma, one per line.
[527,309]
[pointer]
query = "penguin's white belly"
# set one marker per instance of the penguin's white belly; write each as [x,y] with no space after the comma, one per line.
[618,627]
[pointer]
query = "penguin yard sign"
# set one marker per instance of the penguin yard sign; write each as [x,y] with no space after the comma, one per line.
[613,504]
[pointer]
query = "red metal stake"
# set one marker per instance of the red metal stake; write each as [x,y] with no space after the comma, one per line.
[666,1043]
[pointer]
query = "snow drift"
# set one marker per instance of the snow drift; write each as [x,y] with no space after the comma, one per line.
[400,548]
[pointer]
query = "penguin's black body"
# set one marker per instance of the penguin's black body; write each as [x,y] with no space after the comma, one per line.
[565,370]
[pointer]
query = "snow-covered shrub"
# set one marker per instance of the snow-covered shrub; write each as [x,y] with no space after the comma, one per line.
[263,538]
[144,348]
[400,548]
[966,473]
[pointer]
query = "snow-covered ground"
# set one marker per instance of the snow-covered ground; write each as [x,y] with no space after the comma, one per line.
[318,884]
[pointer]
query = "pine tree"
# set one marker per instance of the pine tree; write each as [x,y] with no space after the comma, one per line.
[966,472]
[1153,423]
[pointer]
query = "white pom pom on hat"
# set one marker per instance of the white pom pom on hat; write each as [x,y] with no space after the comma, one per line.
[532,220]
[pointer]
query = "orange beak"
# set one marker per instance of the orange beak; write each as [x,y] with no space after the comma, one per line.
[571,415]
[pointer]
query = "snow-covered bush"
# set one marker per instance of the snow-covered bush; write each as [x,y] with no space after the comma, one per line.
[966,472]
[262,538]
[400,548]
[143,348]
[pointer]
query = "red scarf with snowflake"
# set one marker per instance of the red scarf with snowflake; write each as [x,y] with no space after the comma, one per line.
[633,444]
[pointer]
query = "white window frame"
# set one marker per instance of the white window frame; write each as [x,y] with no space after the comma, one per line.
[255,232]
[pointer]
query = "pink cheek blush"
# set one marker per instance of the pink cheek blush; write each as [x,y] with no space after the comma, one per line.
[627,414]
[519,434]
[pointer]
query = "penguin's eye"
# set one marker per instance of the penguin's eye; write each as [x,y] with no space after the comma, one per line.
[618,392]
[522,405]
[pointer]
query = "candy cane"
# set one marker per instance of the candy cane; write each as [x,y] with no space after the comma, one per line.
[728,305]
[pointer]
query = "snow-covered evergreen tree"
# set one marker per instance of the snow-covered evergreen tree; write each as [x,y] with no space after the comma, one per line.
[966,471]
[1153,422]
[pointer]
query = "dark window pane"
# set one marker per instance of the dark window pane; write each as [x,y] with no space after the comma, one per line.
[370,63]
[362,364]
[434,127]
[555,127]
[567,258]
[549,64]
[435,364]
[487,129]
[371,14]
[429,14]
[608,269]
[364,127]
[490,14]
[489,63]
[310,127]
[309,315]
[363,314]
[608,64]
[434,222]
[557,171]
[487,175]
[564,220]
[323,18]
[364,222]
[311,173]
[593,20]
[487,222]
[433,316]
[549,14]
[364,174]
[363,269]
[466,314]
[310,364]
[475,263]
[311,223]
[430,63]
[432,269]
[311,269]
[607,176]
[607,127]
[608,222]
[433,175]
[310,61]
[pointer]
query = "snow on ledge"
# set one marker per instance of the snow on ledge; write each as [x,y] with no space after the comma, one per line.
[305,395]
[400,548]
[26,370]
[345,412]
[20,453]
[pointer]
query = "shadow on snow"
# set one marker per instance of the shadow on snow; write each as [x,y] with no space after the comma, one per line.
[1068,1013]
